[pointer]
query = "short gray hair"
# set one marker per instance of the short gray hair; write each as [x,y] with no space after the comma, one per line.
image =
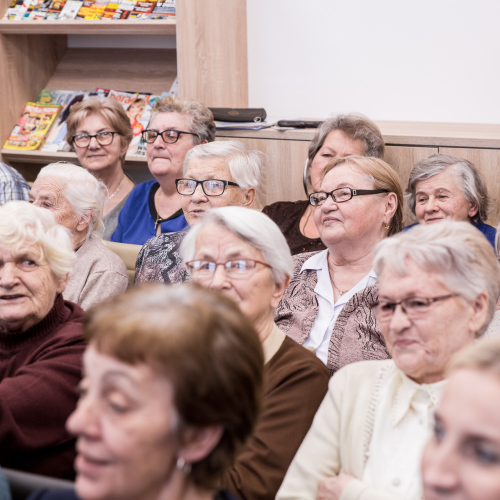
[456,252]
[244,164]
[84,192]
[22,223]
[251,226]
[469,180]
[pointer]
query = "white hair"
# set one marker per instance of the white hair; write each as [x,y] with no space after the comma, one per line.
[84,192]
[244,164]
[456,252]
[23,224]
[251,226]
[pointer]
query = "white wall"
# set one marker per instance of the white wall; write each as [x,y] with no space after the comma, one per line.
[425,60]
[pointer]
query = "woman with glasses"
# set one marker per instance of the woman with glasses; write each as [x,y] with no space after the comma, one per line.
[99,131]
[154,207]
[244,255]
[438,289]
[217,174]
[326,306]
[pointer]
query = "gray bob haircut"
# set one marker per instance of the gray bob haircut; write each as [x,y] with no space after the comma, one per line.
[22,224]
[82,190]
[244,164]
[456,252]
[251,226]
[469,180]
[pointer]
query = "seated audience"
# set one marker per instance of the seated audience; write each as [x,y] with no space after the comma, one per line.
[216,174]
[12,185]
[438,290]
[154,207]
[100,132]
[326,305]
[462,459]
[340,135]
[444,187]
[41,343]
[172,388]
[76,197]
[243,254]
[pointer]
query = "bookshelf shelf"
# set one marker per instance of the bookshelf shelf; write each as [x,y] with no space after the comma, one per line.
[101,27]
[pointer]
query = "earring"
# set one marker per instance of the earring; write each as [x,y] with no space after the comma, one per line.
[183,466]
[387,226]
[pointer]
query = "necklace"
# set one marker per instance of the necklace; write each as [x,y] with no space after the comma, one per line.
[118,188]
[159,218]
[341,292]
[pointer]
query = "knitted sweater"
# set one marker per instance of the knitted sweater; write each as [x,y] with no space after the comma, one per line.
[39,371]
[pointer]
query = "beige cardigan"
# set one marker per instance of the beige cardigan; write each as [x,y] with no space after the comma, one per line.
[339,438]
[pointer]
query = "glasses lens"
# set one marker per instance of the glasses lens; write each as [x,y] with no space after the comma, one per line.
[186,186]
[316,199]
[81,140]
[213,187]
[342,194]
[170,136]
[201,268]
[104,138]
[416,305]
[239,267]
[149,136]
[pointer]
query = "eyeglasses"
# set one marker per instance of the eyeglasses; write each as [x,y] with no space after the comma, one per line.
[211,187]
[237,268]
[103,138]
[341,195]
[413,307]
[168,136]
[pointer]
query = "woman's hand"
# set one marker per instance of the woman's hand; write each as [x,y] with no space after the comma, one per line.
[332,487]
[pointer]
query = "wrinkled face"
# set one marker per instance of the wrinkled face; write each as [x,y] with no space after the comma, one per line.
[336,144]
[125,423]
[48,192]
[167,159]
[257,295]
[197,204]
[440,197]
[462,459]
[359,219]
[95,157]
[28,288]
[422,346]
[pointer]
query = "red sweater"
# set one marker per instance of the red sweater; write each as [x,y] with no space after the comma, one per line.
[39,371]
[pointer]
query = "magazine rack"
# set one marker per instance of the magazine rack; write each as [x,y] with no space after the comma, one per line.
[210,61]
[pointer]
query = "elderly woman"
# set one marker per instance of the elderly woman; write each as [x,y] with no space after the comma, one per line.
[171,389]
[444,187]
[462,459]
[326,305]
[99,131]
[41,343]
[76,197]
[216,174]
[438,290]
[154,207]
[243,254]
[340,135]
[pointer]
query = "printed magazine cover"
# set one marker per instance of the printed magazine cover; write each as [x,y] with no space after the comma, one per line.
[70,10]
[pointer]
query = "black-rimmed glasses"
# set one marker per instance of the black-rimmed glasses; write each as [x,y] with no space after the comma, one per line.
[236,268]
[413,307]
[341,195]
[211,187]
[103,139]
[168,136]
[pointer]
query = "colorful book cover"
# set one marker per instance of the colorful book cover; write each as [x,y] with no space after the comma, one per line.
[124,9]
[13,9]
[139,112]
[55,8]
[96,10]
[110,10]
[21,12]
[85,9]
[142,9]
[165,7]
[70,10]
[157,17]
[33,126]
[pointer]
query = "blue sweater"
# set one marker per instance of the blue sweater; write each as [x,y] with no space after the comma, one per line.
[136,222]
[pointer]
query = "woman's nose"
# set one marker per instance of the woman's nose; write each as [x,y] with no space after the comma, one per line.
[83,420]
[199,194]
[8,275]
[440,464]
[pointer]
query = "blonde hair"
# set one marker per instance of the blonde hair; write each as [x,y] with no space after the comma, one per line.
[483,356]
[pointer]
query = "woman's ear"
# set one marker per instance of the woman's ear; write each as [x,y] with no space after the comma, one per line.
[279,290]
[249,194]
[197,443]
[480,311]
[391,205]
[85,221]
[472,210]
[61,284]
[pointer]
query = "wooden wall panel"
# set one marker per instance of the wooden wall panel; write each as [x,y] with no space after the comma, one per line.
[488,163]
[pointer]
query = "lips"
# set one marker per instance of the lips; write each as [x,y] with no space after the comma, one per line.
[88,465]
[11,297]
[404,343]
[431,220]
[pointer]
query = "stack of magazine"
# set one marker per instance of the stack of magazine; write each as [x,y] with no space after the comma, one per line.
[42,125]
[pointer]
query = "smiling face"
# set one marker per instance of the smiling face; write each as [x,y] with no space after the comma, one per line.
[28,288]
[125,423]
[94,157]
[167,159]
[439,197]
[422,346]
[257,295]
[195,205]
[462,459]
[336,144]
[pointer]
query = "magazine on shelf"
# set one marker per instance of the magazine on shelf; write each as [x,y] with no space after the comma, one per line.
[13,10]
[110,10]
[124,9]
[55,9]
[70,10]
[142,9]
[165,7]
[21,11]
[33,126]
